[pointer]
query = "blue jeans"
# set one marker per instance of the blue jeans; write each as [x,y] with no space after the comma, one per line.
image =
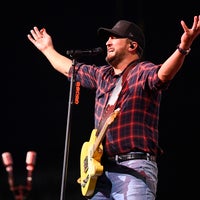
[112,185]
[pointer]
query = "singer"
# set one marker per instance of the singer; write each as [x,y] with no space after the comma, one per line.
[124,165]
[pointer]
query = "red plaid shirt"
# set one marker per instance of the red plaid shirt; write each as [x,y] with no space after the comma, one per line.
[136,126]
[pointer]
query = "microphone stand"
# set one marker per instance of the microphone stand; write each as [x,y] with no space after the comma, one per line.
[68,131]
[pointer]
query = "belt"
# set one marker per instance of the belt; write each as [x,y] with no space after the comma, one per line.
[132,156]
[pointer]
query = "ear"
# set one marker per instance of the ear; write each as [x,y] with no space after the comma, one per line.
[133,45]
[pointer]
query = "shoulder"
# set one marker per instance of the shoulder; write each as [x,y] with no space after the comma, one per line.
[147,65]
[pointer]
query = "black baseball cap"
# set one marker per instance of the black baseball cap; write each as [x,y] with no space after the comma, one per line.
[124,29]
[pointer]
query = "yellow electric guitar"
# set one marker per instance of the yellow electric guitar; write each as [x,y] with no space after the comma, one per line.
[90,159]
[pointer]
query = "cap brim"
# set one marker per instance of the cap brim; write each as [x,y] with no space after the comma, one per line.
[105,32]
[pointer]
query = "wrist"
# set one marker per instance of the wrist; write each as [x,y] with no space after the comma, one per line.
[183,51]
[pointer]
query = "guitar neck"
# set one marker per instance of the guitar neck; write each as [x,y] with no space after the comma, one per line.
[99,138]
[100,134]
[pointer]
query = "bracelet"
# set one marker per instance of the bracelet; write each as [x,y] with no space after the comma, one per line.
[183,51]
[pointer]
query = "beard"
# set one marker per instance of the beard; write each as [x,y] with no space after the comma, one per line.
[114,58]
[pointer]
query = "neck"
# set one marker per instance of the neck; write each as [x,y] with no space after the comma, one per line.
[121,67]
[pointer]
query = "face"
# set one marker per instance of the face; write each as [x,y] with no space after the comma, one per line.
[117,49]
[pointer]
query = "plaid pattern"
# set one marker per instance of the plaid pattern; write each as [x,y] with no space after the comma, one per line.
[136,127]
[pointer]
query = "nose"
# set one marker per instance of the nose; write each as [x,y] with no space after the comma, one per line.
[108,41]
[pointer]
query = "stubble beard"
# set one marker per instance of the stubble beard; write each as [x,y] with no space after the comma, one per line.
[113,60]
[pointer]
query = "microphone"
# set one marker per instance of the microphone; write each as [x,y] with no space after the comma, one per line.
[8,163]
[20,192]
[78,53]
[30,164]
[30,160]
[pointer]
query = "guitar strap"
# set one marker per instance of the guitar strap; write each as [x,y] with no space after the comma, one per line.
[114,167]
[109,108]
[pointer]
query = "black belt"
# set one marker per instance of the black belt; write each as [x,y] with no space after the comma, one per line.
[132,156]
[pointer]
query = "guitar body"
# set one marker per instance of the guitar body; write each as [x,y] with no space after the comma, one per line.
[90,165]
[90,158]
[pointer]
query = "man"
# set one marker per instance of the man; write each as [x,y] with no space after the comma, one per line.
[130,146]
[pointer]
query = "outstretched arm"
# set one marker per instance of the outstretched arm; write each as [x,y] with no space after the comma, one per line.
[43,42]
[172,65]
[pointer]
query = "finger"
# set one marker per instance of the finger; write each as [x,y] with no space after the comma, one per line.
[184,26]
[30,38]
[195,23]
[198,24]
[36,33]
[35,28]
[42,31]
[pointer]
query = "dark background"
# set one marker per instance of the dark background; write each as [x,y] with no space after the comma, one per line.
[35,96]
